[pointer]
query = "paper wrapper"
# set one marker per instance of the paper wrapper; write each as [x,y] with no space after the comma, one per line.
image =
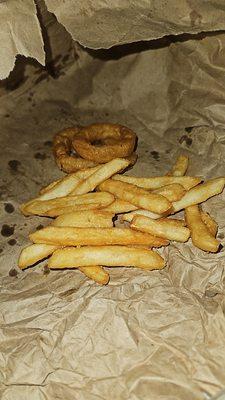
[147,335]
[20,34]
[100,24]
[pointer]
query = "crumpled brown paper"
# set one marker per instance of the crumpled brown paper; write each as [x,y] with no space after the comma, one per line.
[103,24]
[147,335]
[20,33]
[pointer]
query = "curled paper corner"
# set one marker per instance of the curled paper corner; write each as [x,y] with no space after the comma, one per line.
[20,34]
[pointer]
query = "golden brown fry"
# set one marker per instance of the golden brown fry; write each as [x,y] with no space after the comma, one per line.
[200,193]
[85,219]
[81,202]
[103,173]
[96,273]
[200,235]
[111,256]
[130,215]
[165,228]
[137,196]
[69,236]
[158,181]
[209,222]
[172,192]
[48,187]
[62,187]
[180,167]
[119,206]
[34,253]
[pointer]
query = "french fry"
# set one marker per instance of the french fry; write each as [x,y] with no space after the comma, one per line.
[200,235]
[119,206]
[69,236]
[85,219]
[129,216]
[48,187]
[76,176]
[81,202]
[180,167]
[200,194]
[99,176]
[172,192]
[158,181]
[209,222]
[165,228]
[96,273]
[111,256]
[137,196]
[34,253]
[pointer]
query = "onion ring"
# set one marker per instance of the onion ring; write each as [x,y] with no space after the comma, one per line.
[62,146]
[101,143]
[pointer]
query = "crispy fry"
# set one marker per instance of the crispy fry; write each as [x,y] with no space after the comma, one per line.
[85,219]
[165,228]
[119,206]
[96,273]
[172,192]
[81,202]
[129,216]
[69,236]
[111,256]
[137,196]
[209,222]
[80,174]
[158,181]
[180,167]
[68,184]
[200,193]
[48,187]
[34,253]
[62,188]
[103,173]
[200,235]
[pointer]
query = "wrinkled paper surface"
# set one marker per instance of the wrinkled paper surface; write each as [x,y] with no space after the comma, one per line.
[147,335]
[20,33]
[103,24]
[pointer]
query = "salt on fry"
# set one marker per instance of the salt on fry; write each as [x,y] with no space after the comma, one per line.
[110,256]
[170,229]
[137,196]
[200,234]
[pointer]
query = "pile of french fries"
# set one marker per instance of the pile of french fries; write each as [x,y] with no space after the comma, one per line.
[86,204]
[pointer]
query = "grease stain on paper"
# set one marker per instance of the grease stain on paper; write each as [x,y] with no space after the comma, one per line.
[14,165]
[7,230]
[9,208]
